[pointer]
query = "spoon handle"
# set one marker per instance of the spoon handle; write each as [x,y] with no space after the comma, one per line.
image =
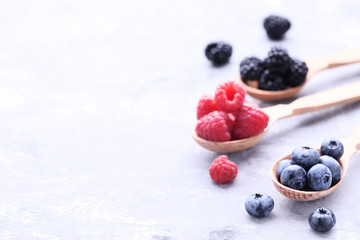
[332,97]
[354,138]
[351,146]
[335,60]
[336,96]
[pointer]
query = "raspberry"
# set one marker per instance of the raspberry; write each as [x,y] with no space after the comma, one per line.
[278,60]
[250,121]
[297,73]
[248,102]
[230,96]
[206,105]
[231,121]
[271,81]
[222,170]
[218,52]
[214,126]
[251,68]
[276,26]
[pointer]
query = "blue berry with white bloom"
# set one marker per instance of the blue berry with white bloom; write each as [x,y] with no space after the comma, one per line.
[319,177]
[332,147]
[322,220]
[259,205]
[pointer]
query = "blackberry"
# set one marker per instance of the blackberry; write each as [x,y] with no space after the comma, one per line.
[251,68]
[278,60]
[296,74]
[271,81]
[276,26]
[218,52]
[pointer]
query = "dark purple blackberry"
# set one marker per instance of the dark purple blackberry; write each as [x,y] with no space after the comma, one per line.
[251,68]
[218,52]
[296,74]
[276,26]
[271,81]
[278,60]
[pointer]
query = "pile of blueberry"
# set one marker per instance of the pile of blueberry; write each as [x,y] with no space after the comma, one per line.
[276,72]
[310,170]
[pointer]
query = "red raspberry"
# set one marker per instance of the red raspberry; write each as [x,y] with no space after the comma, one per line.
[230,96]
[214,127]
[250,121]
[231,121]
[206,105]
[222,170]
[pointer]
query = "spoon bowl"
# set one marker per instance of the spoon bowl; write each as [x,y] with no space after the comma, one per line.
[340,95]
[299,195]
[351,146]
[314,66]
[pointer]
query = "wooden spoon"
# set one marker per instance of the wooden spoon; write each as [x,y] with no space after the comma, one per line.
[351,146]
[340,95]
[315,66]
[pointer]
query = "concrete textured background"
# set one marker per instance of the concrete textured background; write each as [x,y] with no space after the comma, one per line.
[97,105]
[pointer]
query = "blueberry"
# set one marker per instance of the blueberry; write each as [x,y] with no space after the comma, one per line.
[334,167]
[305,157]
[293,176]
[259,205]
[282,165]
[322,220]
[332,147]
[319,177]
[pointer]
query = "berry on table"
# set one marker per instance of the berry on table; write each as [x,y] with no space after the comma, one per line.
[206,105]
[222,170]
[322,220]
[296,74]
[230,95]
[319,177]
[251,68]
[276,26]
[332,147]
[305,156]
[278,60]
[293,176]
[218,52]
[249,121]
[214,127]
[259,205]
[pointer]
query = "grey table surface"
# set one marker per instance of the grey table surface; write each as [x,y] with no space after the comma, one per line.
[97,106]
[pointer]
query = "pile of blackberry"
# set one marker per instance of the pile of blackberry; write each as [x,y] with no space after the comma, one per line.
[277,71]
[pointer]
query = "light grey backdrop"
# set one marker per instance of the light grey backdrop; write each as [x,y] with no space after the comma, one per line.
[97,104]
